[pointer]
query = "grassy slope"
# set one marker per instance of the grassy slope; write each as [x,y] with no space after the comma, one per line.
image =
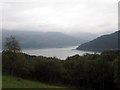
[14,82]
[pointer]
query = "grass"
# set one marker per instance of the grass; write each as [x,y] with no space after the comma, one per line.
[15,82]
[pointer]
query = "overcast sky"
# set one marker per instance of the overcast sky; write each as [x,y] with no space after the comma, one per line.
[93,16]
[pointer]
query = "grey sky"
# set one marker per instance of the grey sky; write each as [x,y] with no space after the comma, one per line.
[61,15]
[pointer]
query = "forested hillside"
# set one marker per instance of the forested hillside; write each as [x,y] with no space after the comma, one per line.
[93,71]
[105,42]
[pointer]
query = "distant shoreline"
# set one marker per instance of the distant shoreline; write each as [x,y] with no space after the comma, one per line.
[61,53]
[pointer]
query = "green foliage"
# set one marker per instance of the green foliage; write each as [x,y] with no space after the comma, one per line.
[88,71]
[117,70]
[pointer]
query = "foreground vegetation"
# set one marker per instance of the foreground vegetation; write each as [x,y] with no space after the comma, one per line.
[88,71]
[17,82]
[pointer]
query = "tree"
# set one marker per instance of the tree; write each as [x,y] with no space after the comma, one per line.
[116,65]
[12,45]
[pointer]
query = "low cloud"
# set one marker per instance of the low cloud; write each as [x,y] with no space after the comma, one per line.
[58,15]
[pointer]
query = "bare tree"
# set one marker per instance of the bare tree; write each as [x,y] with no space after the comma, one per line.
[12,45]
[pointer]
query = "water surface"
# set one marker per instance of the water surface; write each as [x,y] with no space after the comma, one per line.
[61,53]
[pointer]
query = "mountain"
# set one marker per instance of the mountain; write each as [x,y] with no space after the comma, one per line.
[105,42]
[82,35]
[36,39]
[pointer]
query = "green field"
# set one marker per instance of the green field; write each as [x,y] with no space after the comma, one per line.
[15,82]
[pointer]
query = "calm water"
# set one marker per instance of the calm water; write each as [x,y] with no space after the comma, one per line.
[61,53]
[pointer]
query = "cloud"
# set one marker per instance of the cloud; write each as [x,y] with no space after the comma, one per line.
[61,15]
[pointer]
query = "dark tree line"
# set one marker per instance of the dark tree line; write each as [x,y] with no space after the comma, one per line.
[99,72]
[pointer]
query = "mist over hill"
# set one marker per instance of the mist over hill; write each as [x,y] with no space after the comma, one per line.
[37,39]
[104,42]
[86,36]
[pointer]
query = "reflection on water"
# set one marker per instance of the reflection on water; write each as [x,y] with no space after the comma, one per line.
[61,53]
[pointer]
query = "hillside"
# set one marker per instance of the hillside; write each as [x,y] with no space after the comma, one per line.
[90,68]
[15,82]
[31,39]
[105,42]
[82,35]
